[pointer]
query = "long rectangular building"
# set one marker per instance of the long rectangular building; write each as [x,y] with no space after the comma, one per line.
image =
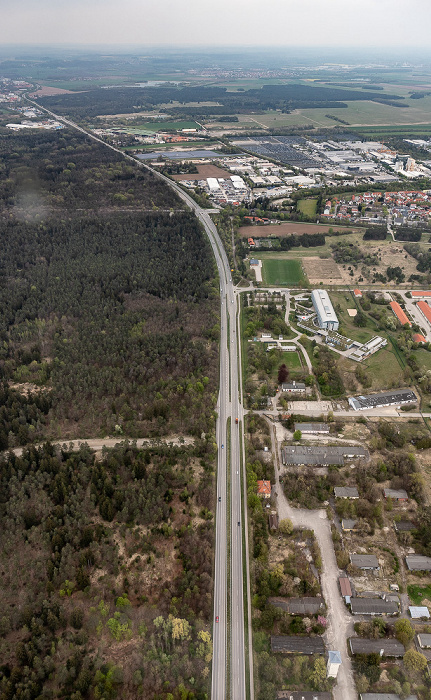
[425,310]
[325,455]
[326,315]
[397,397]
[399,313]
[297,645]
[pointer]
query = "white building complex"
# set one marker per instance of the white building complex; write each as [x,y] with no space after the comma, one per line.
[325,311]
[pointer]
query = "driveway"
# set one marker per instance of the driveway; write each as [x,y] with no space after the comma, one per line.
[340,622]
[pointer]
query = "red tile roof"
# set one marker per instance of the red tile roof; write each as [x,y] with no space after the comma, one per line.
[263,488]
[421,294]
[425,308]
[418,338]
[357,292]
[399,313]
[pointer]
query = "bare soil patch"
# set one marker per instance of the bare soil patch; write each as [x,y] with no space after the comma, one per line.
[46,91]
[322,270]
[204,171]
[290,227]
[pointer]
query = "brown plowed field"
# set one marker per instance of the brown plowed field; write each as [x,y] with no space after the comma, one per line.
[289,227]
[204,171]
[322,270]
[46,91]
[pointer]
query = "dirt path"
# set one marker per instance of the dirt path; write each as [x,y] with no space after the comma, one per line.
[340,623]
[100,443]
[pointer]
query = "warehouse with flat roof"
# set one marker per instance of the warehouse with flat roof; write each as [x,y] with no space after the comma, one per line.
[397,397]
[326,455]
[326,315]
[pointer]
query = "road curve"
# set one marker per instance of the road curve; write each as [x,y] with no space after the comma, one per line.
[229,406]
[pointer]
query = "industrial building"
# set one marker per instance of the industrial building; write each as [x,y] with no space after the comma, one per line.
[326,315]
[387,647]
[305,455]
[312,428]
[366,562]
[416,562]
[297,645]
[373,606]
[396,494]
[397,397]
[419,612]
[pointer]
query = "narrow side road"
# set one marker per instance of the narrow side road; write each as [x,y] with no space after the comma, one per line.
[340,623]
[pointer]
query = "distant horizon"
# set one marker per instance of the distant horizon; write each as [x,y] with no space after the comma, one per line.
[337,24]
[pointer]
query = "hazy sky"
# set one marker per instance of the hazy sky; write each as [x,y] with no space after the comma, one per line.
[218,22]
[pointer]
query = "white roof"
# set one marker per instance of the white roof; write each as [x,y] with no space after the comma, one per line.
[323,305]
[418,611]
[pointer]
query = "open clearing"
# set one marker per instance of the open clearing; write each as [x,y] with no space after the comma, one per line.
[279,271]
[46,91]
[322,270]
[308,206]
[288,228]
[204,171]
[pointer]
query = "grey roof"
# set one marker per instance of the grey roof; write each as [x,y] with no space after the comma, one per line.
[346,492]
[312,427]
[385,398]
[365,561]
[424,640]
[348,524]
[293,386]
[299,606]
[302,695]
[297,645]
[415,562]
[384,696]
[396,493]
[325,454]
[404,526]
[372,606]
[391,647]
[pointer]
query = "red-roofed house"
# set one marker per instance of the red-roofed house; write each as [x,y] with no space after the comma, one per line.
[264,489]
[418,338]
[399,313]
[425,309]
[421,295]
[357,293]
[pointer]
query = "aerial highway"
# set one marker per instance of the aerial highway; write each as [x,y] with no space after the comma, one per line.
[231,572]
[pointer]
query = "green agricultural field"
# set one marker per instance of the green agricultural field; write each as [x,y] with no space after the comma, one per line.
[279,271]
[307,206]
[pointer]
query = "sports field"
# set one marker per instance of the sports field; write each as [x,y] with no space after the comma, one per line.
[276,271]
